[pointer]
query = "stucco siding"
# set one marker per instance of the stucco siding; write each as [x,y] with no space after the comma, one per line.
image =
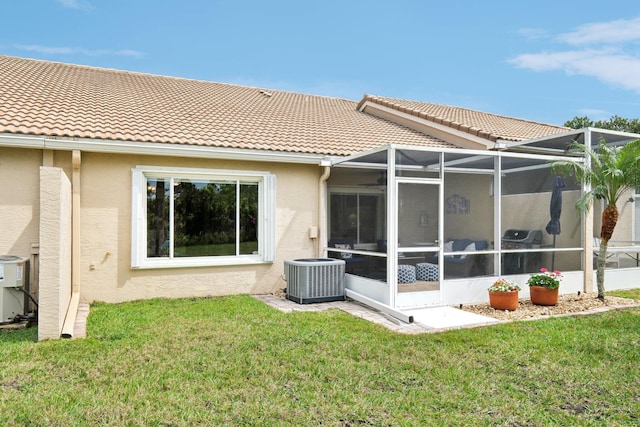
[106,273]
[19,200]
[55,252]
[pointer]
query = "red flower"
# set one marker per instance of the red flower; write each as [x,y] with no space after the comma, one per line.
[543,270]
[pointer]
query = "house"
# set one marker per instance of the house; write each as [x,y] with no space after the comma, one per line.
[124,186]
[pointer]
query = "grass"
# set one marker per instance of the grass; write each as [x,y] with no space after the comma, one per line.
[235,361]
[627,293]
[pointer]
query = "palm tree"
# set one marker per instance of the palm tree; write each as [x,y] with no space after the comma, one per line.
[610,171]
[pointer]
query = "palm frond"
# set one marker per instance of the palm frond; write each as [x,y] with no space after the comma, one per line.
[609,170]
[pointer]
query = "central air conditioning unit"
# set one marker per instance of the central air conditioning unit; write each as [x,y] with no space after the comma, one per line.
[314,280]
[14,275]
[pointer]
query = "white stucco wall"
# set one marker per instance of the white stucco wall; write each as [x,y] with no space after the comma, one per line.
[55,251]
[105,264]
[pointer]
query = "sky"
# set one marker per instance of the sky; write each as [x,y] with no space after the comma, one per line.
[545,60]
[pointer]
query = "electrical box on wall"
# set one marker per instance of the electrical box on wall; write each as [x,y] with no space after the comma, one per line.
[313,232]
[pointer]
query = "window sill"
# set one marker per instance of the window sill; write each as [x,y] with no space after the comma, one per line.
[199,262]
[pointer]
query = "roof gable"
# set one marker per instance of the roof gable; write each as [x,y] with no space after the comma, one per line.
[492,127]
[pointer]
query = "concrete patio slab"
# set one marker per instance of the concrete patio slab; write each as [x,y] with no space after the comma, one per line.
[449,317]
[426,320]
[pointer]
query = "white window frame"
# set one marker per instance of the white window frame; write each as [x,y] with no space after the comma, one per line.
[266,217]
[354,191]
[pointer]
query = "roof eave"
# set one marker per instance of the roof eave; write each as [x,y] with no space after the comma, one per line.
[156,149]
[464,137]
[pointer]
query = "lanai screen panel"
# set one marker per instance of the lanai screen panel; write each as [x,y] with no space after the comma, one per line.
[529,242]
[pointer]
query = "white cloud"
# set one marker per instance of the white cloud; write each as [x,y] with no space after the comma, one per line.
[618,31]
[533,33]
[606,59]
[50,50]
[594,113]
[609,66]
[75,4]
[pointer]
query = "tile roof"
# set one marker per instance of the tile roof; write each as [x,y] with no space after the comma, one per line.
[485,125]
[62,100]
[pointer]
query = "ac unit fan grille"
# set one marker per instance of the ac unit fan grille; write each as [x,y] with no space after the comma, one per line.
[315,280]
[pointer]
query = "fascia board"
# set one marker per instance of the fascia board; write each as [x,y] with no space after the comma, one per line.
[156,149]
[472,140]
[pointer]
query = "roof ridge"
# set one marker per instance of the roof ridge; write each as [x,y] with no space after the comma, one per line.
[469,109]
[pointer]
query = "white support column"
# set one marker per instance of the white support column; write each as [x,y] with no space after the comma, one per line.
[392,227]
[587,220]
[497,214]
[54,252]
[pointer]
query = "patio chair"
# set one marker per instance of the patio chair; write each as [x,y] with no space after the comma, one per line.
[353,262]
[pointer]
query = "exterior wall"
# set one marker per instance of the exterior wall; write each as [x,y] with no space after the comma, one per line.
[55,252]
[105,264]
[531,212]
[478,224]
[624,227]
[19,200]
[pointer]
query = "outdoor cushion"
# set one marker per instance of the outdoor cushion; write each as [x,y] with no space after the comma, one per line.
[470,247]
[427,271]
[344,246]
[406,273]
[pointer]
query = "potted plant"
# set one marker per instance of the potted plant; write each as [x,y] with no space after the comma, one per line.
[503,295]
[543,287]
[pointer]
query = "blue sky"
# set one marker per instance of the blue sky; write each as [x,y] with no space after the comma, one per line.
[544,60]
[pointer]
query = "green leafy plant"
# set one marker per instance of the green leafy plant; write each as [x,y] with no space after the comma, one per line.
[610,172]
[546,279]
[503,285]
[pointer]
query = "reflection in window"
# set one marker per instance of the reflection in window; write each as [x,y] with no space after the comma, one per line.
[357,217]
[158,217]
[209,217]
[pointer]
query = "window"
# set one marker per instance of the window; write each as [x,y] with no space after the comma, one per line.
[191,217]
[357,215]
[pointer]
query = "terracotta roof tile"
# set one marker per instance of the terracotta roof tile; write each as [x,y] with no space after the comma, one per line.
[486,125]
[55,99]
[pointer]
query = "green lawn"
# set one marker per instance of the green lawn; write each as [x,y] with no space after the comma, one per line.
[236,361]
[627,293]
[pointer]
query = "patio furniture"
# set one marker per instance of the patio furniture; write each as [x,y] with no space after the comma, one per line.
[353,262]
[427,272]
[462,265]
[406,273]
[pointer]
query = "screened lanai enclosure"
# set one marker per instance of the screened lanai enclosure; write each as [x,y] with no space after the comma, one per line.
[421,227]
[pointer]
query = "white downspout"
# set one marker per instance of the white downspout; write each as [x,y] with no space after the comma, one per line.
[72,311]
[322,212]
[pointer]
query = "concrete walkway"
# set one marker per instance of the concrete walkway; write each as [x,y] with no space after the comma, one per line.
[426,320]
[80,327]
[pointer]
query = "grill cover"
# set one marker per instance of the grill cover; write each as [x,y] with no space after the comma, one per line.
[530,237]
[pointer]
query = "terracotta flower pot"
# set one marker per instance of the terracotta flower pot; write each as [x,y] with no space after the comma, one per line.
[504,300]
[543,296]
